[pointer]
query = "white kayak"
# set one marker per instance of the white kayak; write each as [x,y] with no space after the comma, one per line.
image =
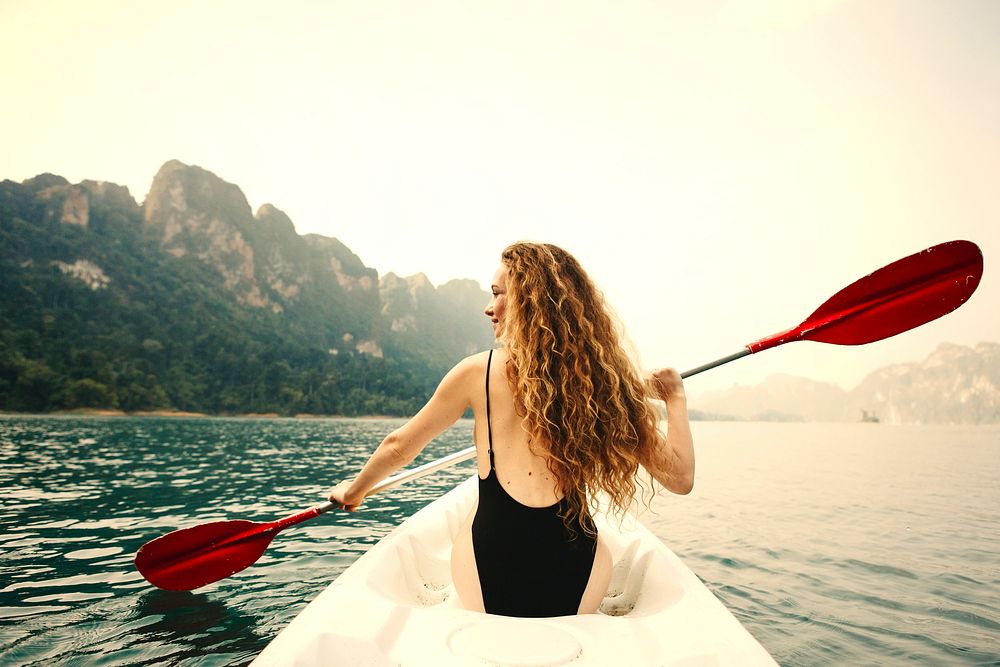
[396,606]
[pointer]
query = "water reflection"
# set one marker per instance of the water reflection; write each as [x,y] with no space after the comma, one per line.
[194,624]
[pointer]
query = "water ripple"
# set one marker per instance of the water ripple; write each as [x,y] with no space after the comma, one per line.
[832,565]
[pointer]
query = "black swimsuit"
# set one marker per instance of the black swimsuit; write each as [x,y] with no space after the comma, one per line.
[529,564]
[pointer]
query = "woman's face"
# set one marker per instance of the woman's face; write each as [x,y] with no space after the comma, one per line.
[498,304]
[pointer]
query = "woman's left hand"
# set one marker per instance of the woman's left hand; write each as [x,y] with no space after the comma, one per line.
[667,383]
[341,495]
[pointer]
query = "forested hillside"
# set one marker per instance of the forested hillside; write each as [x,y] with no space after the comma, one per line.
[192,302]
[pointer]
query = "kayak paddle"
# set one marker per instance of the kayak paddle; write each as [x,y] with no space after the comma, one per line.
[896,298]
[189,558]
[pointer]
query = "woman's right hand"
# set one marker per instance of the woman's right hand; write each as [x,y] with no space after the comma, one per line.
[342,496]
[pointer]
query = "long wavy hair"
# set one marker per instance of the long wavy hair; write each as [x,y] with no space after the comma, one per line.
[581,397]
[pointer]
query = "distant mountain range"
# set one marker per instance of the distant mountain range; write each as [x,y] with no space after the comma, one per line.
[954,385]
[190,301]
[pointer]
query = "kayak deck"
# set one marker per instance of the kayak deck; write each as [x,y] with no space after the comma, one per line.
[396,606]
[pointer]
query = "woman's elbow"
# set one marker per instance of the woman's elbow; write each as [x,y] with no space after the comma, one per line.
[674,483]
[684,486]
[395,449]
[681,482]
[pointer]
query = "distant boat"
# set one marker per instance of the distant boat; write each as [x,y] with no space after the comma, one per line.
[868,417]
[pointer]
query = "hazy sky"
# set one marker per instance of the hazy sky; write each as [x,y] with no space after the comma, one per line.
[721,168]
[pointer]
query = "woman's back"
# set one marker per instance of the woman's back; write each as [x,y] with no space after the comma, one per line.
[522,473]
[515,554]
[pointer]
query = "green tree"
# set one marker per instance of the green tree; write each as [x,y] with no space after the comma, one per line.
[34,386]
[86,393]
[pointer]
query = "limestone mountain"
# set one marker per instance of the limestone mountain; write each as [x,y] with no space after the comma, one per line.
[956,384]
[416,315]
[191,301]
[260,259]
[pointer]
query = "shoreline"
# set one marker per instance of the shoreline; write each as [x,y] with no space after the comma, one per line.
[179,414]
[98,412]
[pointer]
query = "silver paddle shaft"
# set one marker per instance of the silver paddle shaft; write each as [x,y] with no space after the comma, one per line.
[412,474]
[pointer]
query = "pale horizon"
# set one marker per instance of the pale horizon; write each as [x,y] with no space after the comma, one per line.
[720,168]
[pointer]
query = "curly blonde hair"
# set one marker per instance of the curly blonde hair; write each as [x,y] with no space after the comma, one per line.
[582,399]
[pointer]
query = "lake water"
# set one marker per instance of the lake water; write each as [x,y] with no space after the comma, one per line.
[833,544]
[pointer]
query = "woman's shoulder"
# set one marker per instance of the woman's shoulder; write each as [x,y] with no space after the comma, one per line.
[478,361]
[474,366]
[469,372]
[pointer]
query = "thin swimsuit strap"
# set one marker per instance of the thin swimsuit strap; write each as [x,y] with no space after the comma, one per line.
[529,564]
[489,427]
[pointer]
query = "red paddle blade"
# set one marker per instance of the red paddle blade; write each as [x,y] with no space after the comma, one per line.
[193,557]
[896,298]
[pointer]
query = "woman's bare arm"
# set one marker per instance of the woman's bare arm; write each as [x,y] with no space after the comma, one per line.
[403,445]
[673,462]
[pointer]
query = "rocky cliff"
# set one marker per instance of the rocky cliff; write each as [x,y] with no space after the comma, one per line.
[216,308]
[956,384]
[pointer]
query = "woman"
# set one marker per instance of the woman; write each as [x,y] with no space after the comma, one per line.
[561,415]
